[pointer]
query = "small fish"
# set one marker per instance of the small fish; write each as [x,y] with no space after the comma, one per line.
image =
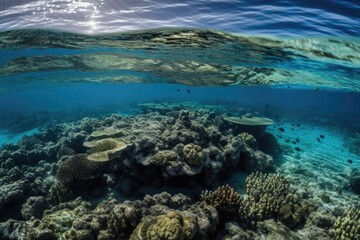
[293,142]
[297,149]
[188,90]
[350,161]
[279,136]
[316,89]
[288,86]
[292,129]
[322,136]
[281,129]
[287,140]
[178,90]
[298,125]
[318,139]
[297,140]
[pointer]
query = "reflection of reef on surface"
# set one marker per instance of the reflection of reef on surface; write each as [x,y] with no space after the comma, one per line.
[129,57]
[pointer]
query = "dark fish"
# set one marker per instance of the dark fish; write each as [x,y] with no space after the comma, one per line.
[298,140]
[287,140]
[292,129]
[279,136]
[318,139]
[350,161]
[322,136]
[293,142]
[298,125]
[316,89]
[297,149]
[281,129]
[178,90]
[288,86]
[188,90]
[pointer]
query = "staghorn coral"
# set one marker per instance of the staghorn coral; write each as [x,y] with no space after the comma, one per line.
[347,226]
[77,168]
[193,154]
[269,196]
[172,226]
[122,220]
[225,199]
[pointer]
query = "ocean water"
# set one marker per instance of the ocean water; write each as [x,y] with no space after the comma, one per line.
[189,120]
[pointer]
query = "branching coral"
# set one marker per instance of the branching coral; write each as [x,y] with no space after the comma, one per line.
[269,196]
[225,199]
[347,226]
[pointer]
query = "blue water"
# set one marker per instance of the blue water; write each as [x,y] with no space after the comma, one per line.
[280,18]
[65,61]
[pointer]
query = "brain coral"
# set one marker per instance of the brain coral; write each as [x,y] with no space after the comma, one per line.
[164,157]
[193,154]
[172,226]
[77,168]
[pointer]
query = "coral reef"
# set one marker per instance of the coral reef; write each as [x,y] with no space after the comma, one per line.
[53,191]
